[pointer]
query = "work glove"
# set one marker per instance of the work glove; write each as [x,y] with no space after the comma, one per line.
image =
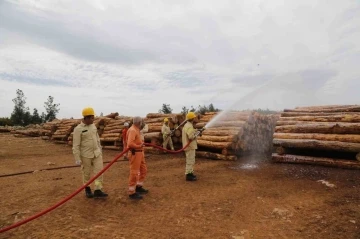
[78,162]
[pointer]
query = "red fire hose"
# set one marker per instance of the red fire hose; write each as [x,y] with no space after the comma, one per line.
[81,188]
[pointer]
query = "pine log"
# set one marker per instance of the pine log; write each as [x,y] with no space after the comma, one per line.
[318,144]
[358,157]
[297,114]
[154,120]
[233,138]
[178,133]
[351,138]
[155,124]
[111,147]
[60,136]
[154,128]
[110,135]
[223,124]
[329,162]
[149,136]
[316,107]
[326,118]
[228,152]
[220,132]
[113,128]
[112,115]
[326,128]
[216,145]
[159,115]
[209,155]
[112,131]
[355,108]
[110,139]
[288,122]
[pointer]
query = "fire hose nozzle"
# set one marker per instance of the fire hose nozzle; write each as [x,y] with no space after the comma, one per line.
[199,132]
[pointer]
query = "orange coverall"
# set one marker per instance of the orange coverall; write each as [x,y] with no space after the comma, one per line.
[137,162]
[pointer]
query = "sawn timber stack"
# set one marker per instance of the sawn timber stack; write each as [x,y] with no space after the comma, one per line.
[322,135]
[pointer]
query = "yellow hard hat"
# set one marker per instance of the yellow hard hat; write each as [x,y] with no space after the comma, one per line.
[190,115]
[166,120]
[88,111]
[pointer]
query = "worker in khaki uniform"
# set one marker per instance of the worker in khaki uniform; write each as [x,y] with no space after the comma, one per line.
[166,132]
[87,152]
[138,168]
[189,133]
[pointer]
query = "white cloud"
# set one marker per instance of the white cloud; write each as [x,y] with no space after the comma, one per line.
[131,57]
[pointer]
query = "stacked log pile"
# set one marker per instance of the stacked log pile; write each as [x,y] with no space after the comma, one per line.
[231,134]
[32,130]
[155,122]
[49,128]
[111,136]
[307,134]
[64,129]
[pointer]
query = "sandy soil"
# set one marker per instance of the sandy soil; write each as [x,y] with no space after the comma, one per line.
[250,198]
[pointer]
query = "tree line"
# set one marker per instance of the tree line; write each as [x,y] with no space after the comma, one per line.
[201,109]
[21,115]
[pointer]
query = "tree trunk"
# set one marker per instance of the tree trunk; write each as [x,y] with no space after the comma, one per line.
[112,115]
[177,133]
[327,118]
[209,155]
[110,139]
[329,162]
[227,152]
[223,124]
[318,145]
[215,145]
[154,120]
[220,132]
[154,128]
[111,135]
[112,131]
[326,128]
[219,138]
[149,136]
[297,114]
[354,108]
[351,138]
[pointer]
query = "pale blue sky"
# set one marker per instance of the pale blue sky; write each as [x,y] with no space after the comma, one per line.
[132,56]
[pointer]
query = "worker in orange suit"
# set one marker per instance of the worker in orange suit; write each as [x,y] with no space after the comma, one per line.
[87,151]
[138,168]
[123,134]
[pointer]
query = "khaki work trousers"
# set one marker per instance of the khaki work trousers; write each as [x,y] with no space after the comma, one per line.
[138,170]
[190,161]
[168,140]
[92,165]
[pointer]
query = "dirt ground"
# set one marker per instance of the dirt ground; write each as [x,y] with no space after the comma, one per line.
[250,198]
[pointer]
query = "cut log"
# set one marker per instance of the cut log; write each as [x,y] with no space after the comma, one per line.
[228,152]
[215,145]
[110,135]
[209,155]
[327,118]
[296,114]
[154,128]
[111,147]
[219,138]
[288,122]
[60,136]
[112,131]
[112,139]
[159,115]
[149,136]
[358,157]
[318,145]
[329,162]
[326,128]
[220,132]
[351,138]
[355,108]
[222,124]
[177,133]
[154,120]
[112,115]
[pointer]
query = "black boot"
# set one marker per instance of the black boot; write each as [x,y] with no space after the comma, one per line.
[190,177]
[88,192]
[99,194]
[141,190]
[136,196]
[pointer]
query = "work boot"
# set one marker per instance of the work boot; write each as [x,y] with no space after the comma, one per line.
[136,196]
[88,192]
[99,194]
[190,177]
[141,190]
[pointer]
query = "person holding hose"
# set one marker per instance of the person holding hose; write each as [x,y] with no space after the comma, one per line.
[189,133]
[138,168]
[87,151]
[166,132]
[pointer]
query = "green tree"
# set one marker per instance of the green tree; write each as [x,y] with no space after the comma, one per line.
[184,110]
[51,109]
[165,109]
[202,109]
[5,121]
[192,109]
[18,114]
[35,118]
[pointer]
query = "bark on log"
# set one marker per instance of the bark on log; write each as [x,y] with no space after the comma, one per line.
[178,133]
[209,155]
[319,107]
[320,110]
[112,131]
[220,132]
[110,135]
[110,139]
[227,152]
[154,128]
[358,157]
[317,144]
[327,118]
[149,136]
[329,162]
[111,147]
[223,124]
[215,145]
[112,115]
[154,120]
[159,115]
[233,138]
[289,122]
[326,128]
[351,138]
[296,114]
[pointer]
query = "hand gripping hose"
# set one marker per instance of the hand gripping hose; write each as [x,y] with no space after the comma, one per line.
[81,188]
